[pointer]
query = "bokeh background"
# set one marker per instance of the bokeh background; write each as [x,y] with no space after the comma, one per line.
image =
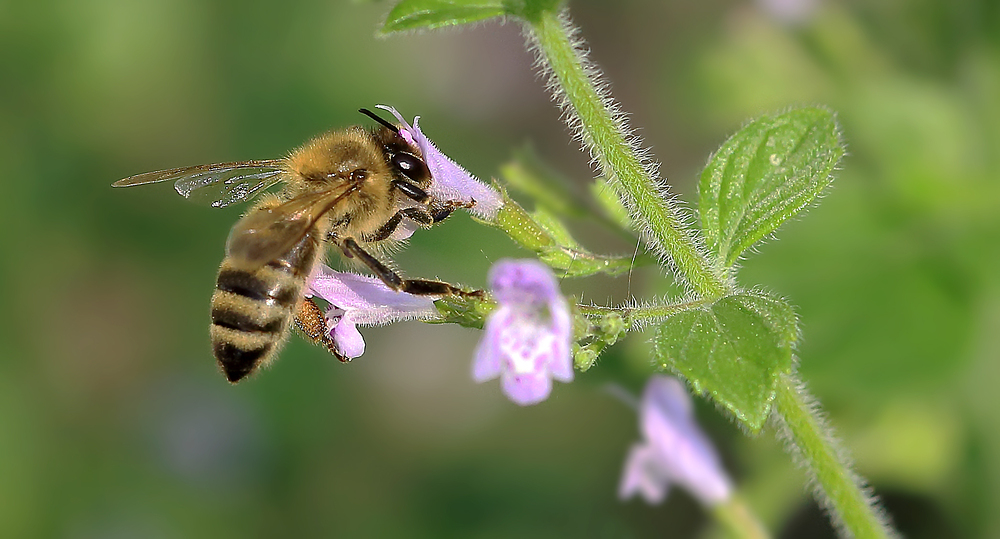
[114,422]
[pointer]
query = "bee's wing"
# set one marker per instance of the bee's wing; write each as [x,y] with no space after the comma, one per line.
[216,185]
[265,234]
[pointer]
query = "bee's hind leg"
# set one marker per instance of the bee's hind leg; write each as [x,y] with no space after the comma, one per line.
[310,321]
[418,287]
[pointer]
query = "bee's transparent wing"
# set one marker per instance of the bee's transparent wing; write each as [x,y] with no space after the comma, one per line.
[223,188]
[215,185]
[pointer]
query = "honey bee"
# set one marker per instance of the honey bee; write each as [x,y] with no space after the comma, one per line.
[351,188]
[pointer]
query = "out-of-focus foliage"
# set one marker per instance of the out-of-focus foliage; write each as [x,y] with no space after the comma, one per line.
[113,420]
[420,14]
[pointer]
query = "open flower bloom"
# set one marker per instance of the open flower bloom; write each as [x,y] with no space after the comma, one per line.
[449,180]
[527,338]
[366,301]
[675,450]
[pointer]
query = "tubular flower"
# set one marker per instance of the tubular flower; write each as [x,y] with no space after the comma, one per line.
[527,338]
[449,180]
[675,450]
[366,301]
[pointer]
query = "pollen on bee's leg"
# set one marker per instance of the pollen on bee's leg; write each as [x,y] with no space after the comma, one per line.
[311,321]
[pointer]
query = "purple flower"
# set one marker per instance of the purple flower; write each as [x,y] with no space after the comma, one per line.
[450,182]
[790,12]
[675,449]
[366,301]
[527,338]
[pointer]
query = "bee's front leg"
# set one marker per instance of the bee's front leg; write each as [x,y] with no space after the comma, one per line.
[424,216]
[418,287]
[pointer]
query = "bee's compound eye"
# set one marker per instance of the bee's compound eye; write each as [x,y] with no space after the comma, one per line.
[410,166]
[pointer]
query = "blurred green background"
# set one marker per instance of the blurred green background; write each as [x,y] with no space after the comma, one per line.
[114,422]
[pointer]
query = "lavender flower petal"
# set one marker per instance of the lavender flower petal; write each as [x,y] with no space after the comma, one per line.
[675,450]
[562,324]
[449,180]
[348,339]
[527,388]
[527,338]
[643,476]
[486,365]
[366,301]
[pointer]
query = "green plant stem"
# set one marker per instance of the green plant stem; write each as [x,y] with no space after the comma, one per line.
[604,133]
[838,488]
[739,520]
[636,318]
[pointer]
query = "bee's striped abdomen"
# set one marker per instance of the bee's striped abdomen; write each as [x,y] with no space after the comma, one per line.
[252,309]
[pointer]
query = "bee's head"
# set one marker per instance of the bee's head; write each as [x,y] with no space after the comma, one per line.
[404,158]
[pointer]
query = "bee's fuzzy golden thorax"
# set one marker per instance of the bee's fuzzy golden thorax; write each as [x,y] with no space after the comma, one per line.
[330,160]
[333,156]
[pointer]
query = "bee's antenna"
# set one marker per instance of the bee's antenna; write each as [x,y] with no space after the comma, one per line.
[379,119]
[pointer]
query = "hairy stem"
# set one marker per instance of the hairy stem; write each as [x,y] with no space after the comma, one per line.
[636,318]
[739,520]
[575,83]
[837,487]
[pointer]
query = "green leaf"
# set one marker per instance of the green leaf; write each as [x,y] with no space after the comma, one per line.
[554,227]
[544,234]
[414,14]
[582,263]
[571,258]
[767,172]
[733,350]
[521,226]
